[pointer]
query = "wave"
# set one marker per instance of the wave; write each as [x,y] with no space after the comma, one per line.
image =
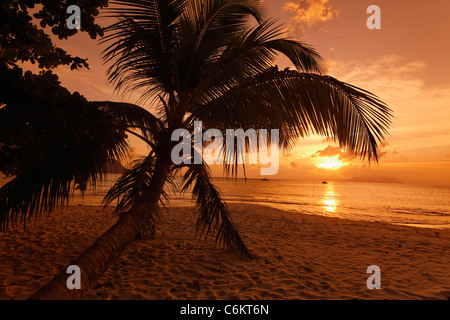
[423,212]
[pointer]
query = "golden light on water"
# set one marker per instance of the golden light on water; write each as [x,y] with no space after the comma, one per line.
[330,163]
[329,200]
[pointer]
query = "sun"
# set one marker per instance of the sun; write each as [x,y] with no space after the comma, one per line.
[330,163]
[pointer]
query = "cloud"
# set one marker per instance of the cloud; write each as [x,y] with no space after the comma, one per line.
[419,109]
[399,79]
[327,152]
[308,13]
[331,151]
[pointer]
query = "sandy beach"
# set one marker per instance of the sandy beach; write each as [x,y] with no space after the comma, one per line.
[298,256]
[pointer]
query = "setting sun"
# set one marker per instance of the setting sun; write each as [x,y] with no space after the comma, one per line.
[330,163]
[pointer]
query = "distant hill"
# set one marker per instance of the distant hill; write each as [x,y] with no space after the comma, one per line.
[376,179]
[114,166]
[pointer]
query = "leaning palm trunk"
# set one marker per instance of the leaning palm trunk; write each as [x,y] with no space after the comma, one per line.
[94,262]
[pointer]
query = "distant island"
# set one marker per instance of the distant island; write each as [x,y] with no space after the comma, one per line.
[376,179]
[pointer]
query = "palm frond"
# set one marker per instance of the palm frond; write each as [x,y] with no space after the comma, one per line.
[43,187]
[212,15]
[249,53]
[301,104]
[134,184]
[206,27]
[142,46]
[304,57]
[214,219]
[132,187]
[130,116]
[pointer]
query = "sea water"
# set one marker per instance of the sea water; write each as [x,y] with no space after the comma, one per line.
[406,204]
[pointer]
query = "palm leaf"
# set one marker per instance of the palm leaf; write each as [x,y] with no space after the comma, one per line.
[302,104]
[132,185]
[131,188]
[246,55]
[129,116]
[214,219]
[43,187]
[143,45]
[206,27]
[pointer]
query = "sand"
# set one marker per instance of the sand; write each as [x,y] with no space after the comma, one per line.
[298,256]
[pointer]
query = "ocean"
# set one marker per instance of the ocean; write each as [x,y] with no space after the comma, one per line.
[397,203]
[406,204]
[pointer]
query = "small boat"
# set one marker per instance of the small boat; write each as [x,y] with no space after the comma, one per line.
[324,182]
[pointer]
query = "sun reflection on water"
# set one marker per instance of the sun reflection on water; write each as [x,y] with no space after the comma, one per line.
[329,200]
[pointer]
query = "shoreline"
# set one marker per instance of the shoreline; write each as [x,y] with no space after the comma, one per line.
[298,256]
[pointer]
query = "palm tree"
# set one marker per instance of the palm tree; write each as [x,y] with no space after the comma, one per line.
[203,60]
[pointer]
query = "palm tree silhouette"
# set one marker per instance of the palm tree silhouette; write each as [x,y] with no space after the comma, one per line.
[203,60]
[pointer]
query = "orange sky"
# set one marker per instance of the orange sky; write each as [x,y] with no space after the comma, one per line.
[406,64]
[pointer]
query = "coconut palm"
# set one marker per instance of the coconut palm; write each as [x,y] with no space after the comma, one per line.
[211,61]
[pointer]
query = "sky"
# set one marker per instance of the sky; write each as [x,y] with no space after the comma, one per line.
[406,64]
